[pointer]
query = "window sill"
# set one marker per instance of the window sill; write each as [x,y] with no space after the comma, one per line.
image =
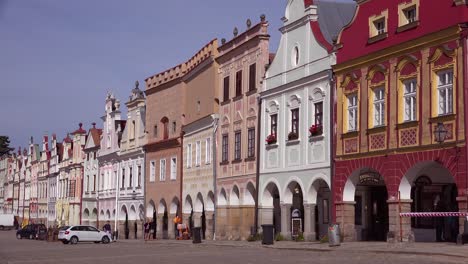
[408,26]
[237,98]
[236,161]
[316,137]
[254,91]
[350,134]
[249,159]
[442,118]
[407,124]
[271,146]
[293,141]
[226,102]
[224,163]
[376,129]
[377,38]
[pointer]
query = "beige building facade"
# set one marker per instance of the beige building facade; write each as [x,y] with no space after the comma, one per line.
[242,63]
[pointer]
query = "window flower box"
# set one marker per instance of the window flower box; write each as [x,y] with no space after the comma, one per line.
[292,136]
[316,130]
[271,139]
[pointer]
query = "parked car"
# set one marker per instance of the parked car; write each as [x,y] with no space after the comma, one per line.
[81,233]
[32,231]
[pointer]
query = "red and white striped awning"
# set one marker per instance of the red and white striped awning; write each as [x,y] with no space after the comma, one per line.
[434,214]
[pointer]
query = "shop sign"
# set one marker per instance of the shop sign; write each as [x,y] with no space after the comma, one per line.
[370,179]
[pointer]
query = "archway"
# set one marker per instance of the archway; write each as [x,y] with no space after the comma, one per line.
[431,188]
[94,215]
[86,217]
[249,194]
[123,219]
[188,211]
[163,215]
[174,211]
[200,218]
[234,197]
[319,197]
[150,209]
[133,225]
[294,209]
[367,189]
[108,215]
[270,206]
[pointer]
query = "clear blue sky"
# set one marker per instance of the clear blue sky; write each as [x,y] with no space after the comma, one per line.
[60,57]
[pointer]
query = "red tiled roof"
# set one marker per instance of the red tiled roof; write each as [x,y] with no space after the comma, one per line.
[80,130]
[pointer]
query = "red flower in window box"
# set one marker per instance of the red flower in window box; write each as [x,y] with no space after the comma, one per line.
[316,130]
[271,139]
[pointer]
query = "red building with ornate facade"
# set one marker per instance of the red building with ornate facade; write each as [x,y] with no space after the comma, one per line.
[400,120]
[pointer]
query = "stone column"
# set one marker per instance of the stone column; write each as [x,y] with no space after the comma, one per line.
[197,219]
[345,218]
[309,222]
[462,207]
[286,221]
[209,215]
[170,226]
[399,229]
[159,226]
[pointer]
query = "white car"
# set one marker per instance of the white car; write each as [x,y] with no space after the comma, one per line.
[81,233]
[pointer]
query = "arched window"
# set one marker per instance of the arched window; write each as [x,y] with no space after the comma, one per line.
[165,126]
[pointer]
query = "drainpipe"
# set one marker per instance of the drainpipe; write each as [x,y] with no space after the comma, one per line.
[117,193]
[81,195]
[332,84]
[465,98]
[257,176]
[181,169]
[214,162]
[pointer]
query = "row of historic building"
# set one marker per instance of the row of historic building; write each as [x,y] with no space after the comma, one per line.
[358,116]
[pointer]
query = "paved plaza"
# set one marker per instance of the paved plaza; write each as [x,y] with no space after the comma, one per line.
[14,251]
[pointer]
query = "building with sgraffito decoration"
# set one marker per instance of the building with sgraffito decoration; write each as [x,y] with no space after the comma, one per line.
[400,120]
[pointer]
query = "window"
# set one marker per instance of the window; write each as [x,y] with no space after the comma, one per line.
[165,124]
[94,184]
[226,89]
[318,113]
[445,92]
[198,153]
[189,155]
[174,127]
[123,179]
[108,141]
[352,112]
[225,149]
[409,98]
[130,177]
[252,77]
[238,83]
[87,183]
[173,168]
[72,189]
[295,121]
[274,124]
[380,26]
[152,171]
[102,181]
[379,107]
[162,170]
[295,57]
[410,14]
[208,151]
[155,131]
[251,143]
[139,176]
[237,145]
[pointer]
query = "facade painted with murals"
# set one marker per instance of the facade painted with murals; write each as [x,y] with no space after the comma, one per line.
[401,104]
